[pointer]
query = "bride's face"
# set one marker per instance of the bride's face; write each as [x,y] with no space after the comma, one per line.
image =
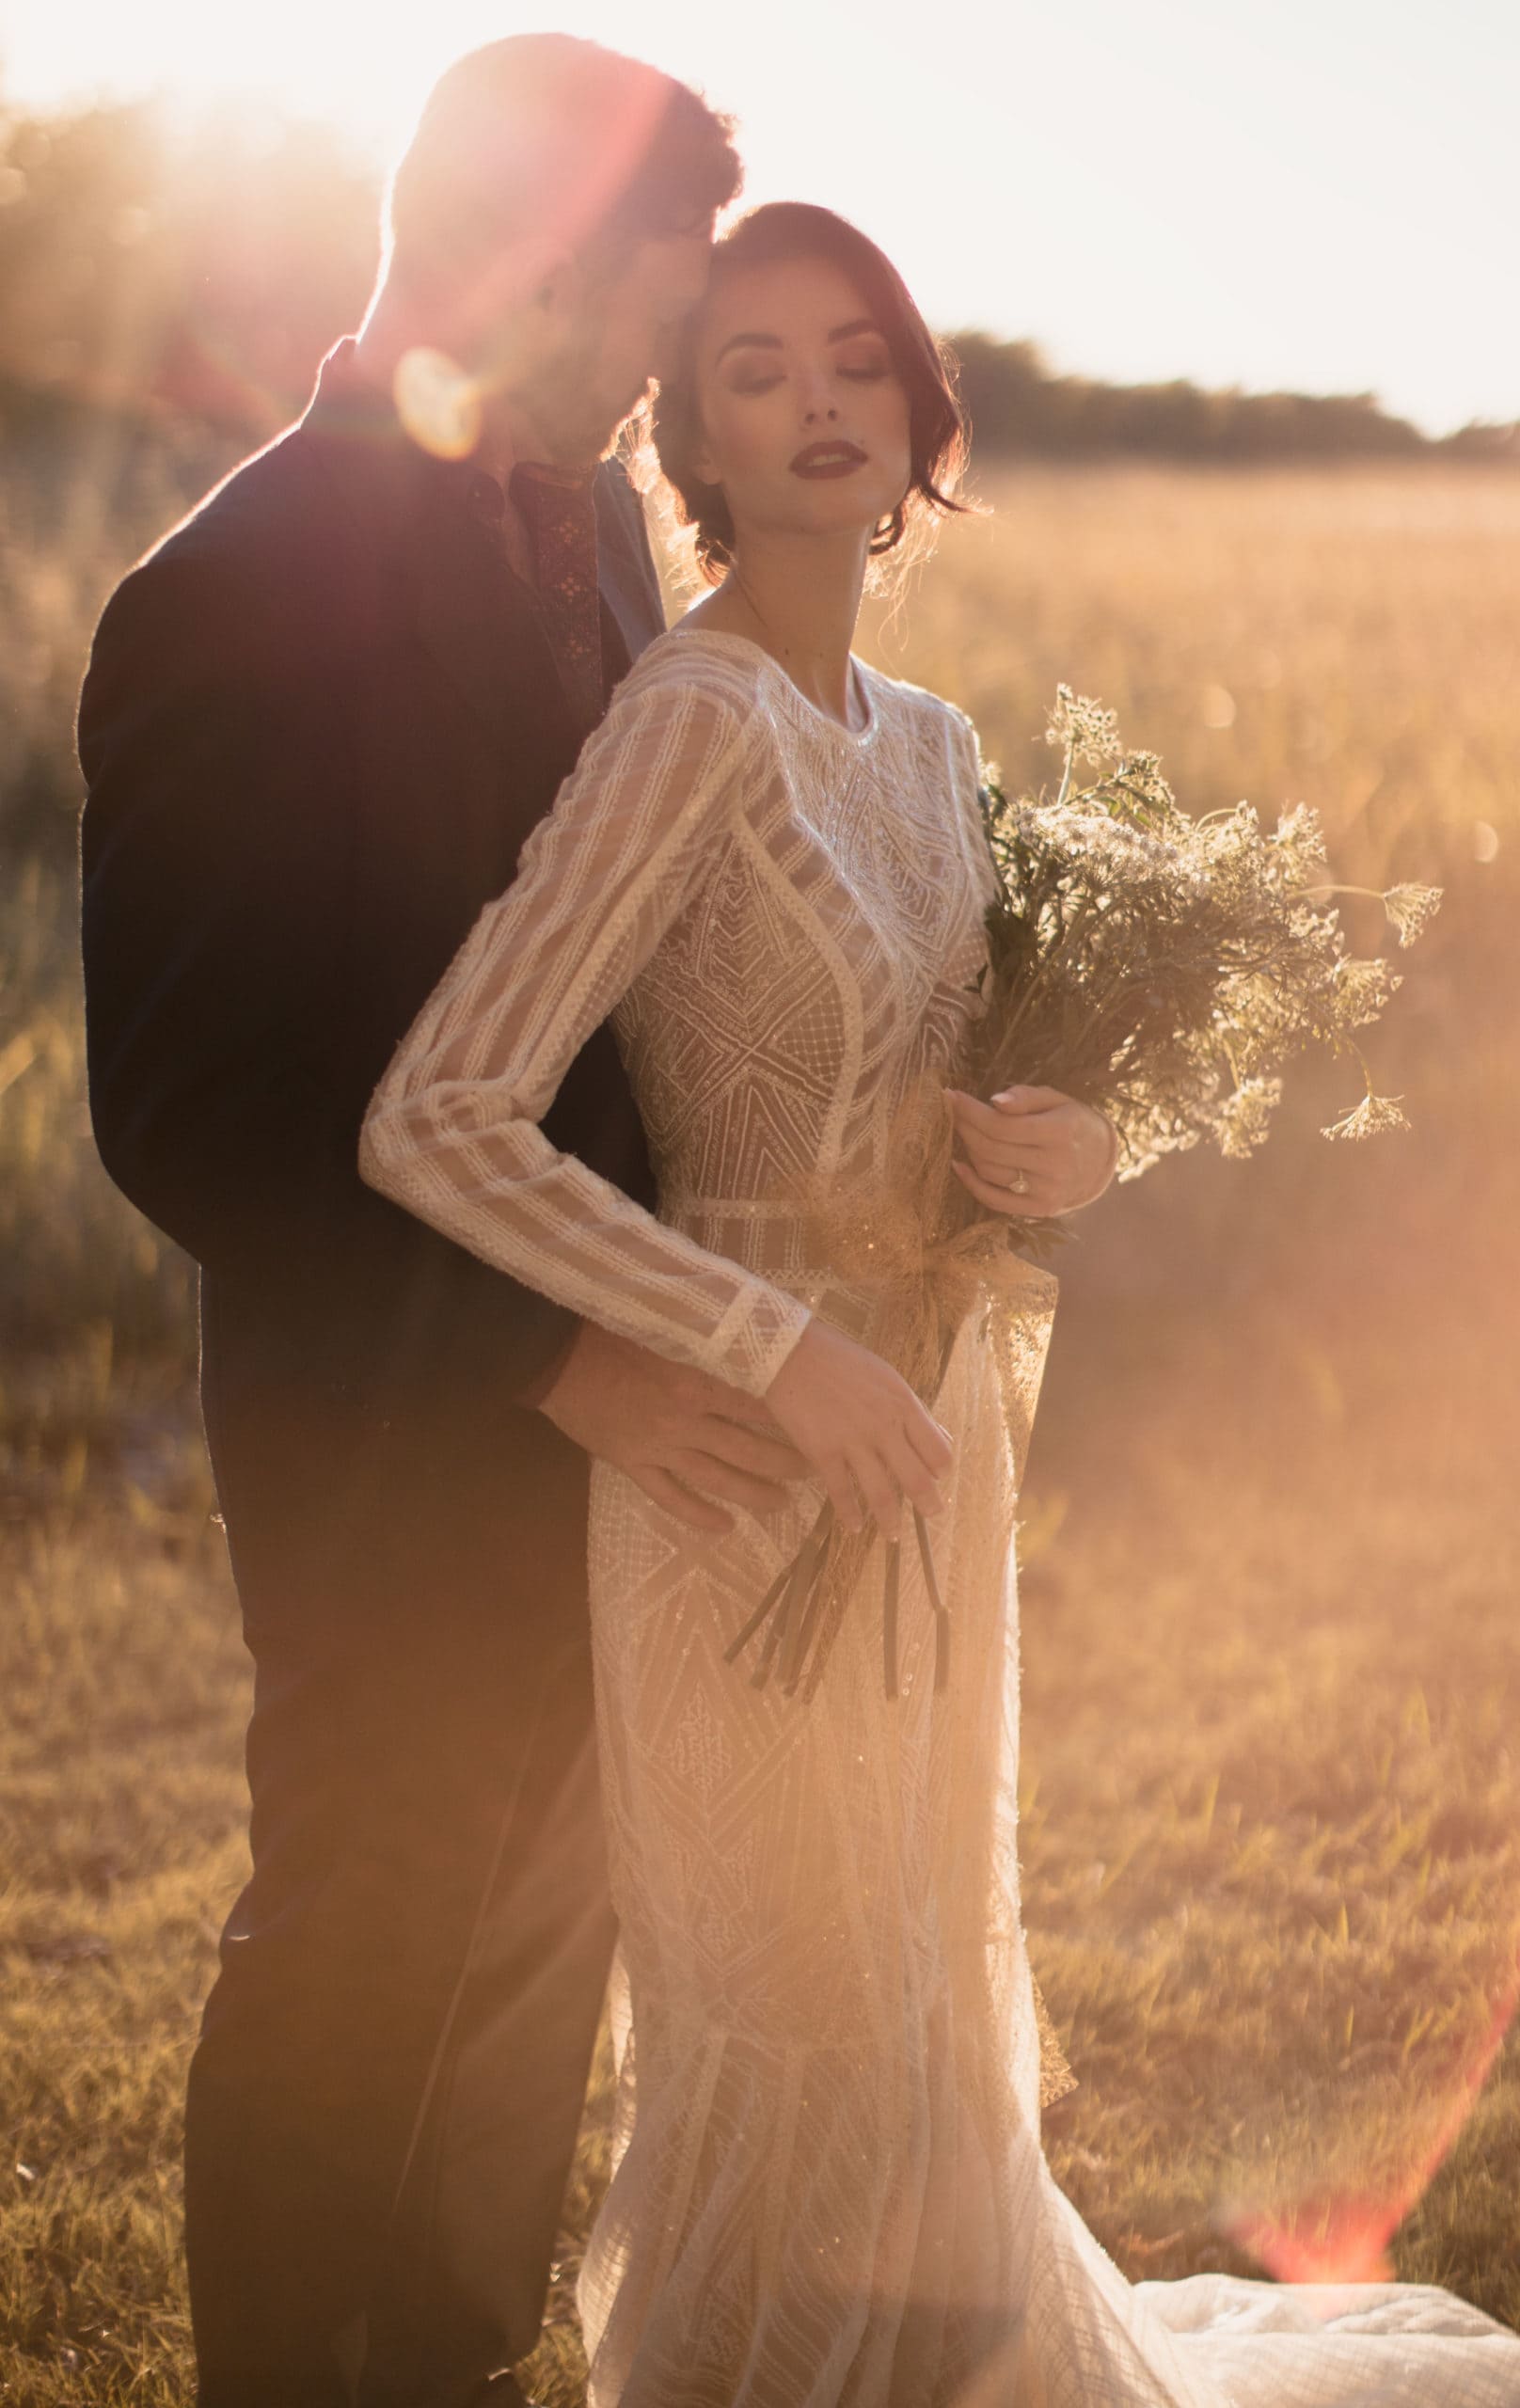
[804,416]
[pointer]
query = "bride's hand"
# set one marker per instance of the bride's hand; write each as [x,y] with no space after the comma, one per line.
[860,1427]
[1032,1151]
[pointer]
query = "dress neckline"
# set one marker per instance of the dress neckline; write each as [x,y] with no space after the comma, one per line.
[858,737]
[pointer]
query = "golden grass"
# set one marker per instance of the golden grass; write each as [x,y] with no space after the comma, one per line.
[1273,1875]
[1272,1664]
[121,1815]
[1344,640]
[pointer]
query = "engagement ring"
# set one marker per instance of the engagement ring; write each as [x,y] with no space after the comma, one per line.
[1019,1183]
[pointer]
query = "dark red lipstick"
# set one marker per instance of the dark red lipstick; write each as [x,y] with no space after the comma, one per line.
[831,459]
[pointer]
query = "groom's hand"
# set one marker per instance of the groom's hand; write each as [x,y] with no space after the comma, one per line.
[686,1439]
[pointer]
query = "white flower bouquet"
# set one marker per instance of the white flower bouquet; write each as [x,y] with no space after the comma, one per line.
[1166,969]
[1162,968]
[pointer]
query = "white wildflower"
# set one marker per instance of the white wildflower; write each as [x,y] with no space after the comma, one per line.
[1083,725]
[1170,968]
[1409,909]
[1139,774]
[1374,1114]
[1243,1119]
[1090,841]
[1362,989]
[1299,833]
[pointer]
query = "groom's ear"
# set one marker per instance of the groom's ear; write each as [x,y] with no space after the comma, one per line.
[704,466]
[551,283]
[508,309]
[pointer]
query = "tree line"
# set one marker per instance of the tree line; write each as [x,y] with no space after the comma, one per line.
[1017,405]
[198,269]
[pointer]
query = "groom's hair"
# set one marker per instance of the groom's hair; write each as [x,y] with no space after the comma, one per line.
[546,136]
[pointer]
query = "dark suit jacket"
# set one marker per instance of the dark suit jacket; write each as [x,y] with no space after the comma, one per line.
[319,721]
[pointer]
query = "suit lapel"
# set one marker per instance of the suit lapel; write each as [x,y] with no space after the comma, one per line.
[480,625]
[473,617]
[625,571]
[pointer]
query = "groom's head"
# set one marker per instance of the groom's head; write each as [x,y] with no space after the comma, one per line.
[551,224]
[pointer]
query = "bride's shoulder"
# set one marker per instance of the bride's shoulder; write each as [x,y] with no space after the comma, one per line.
[923,715]
[700,660]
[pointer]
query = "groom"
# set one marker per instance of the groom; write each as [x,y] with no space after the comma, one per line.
[318,725]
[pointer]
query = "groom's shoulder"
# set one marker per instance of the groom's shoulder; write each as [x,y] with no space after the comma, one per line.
[249,564]
[276,518]
[262,508]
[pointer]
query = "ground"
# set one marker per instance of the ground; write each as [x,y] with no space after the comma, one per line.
[1270,1793]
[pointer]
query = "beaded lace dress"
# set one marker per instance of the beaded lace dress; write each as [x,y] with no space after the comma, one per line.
[828,2186]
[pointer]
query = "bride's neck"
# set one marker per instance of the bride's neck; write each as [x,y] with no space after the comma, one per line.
[798,597]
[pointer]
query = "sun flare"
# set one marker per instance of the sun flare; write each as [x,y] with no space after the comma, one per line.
[1342,251]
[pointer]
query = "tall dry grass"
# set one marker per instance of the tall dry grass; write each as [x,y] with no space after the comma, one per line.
[1271,1663]
[1345,639]
[1349,641]
[96,1309]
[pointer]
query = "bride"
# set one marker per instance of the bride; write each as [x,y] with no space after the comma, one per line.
[829,2190]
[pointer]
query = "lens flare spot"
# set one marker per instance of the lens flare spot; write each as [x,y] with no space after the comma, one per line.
[438,402]
[1217,706]
[1346,2242]
[1346,2238]
[1485,841]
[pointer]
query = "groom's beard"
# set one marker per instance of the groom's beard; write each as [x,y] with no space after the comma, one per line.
[576,407]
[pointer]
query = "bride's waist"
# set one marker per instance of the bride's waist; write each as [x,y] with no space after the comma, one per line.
[827,1265]
[861,1269]
[779,1242]
[773,1236]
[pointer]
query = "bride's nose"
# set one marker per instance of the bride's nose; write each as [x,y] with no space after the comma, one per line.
[819,404]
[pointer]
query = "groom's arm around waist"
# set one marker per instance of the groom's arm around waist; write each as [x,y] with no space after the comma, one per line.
[228,1048]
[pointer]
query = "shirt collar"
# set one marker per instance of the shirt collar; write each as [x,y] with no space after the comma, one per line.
[384,475]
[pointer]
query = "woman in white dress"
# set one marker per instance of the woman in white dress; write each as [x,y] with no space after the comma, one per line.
[829,2190]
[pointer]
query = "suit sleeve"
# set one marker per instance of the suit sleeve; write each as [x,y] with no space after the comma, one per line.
[217,891]
[212,854]
[454,1131]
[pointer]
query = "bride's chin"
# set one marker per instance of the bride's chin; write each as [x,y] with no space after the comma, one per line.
[833,519]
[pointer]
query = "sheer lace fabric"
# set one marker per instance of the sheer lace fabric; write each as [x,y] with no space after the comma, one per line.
[828,2189]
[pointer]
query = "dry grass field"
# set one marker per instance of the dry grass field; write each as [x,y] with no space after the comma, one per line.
[1272,1644]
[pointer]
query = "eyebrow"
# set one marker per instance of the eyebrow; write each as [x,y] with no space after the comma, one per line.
[773,343]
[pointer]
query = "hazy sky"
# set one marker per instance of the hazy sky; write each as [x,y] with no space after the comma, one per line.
[1320,194]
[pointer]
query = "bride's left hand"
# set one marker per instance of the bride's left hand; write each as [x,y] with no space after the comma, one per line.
[1032,1151]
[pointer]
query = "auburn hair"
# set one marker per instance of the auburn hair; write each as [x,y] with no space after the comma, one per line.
[938,436]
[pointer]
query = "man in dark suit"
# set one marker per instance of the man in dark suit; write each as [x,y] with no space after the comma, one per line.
[318,725]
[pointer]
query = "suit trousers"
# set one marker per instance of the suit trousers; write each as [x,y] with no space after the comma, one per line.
[383,2103]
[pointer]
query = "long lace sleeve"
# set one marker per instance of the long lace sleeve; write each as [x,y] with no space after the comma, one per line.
[452,1133]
